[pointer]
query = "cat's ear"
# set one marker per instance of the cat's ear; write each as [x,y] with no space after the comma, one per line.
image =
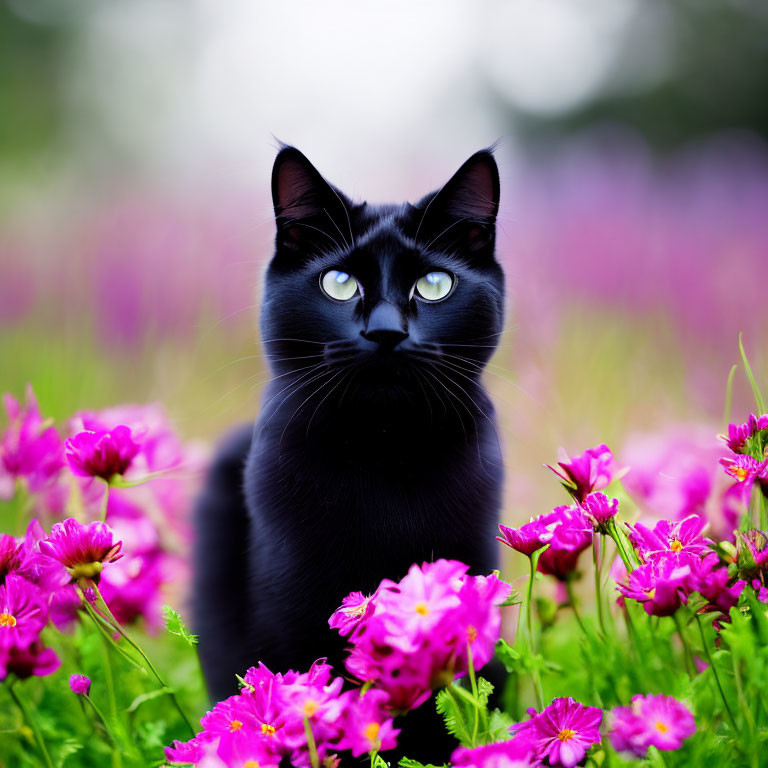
[462,215]
[309,212]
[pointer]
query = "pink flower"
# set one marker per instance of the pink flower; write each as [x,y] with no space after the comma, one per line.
[746,470]
[354,609]
[81,549]
[33,660]
[563,732]
[23,612]
[681,539]
[526,539]
[568,533]
[101,454]
[583,474]
[10,555]
[418,635]
[712,581]
[515,753]
[661,586]
[651,721]
[740,434]
[30,448]
[80,684]
[365,723]
[599,509]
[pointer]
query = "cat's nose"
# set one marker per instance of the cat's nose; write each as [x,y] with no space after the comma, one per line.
[385,326]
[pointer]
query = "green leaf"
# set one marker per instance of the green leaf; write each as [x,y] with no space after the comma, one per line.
[406,762]
[512,599]
[148,696]
[755,389]
[68,748]
[175,625]
[455,713]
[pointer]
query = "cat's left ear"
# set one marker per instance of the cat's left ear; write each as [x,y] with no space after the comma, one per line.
[463,213]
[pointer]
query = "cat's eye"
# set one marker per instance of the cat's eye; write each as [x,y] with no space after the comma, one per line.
[434,286]
[339,285]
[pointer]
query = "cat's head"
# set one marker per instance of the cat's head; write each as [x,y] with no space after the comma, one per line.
[395,298]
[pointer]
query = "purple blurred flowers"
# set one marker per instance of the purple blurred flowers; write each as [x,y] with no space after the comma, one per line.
[80,684]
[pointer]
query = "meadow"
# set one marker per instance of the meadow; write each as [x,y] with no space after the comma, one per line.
[629,282]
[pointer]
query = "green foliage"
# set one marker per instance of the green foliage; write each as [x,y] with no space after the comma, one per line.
[176,626]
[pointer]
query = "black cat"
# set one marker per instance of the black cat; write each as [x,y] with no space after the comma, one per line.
[376,444]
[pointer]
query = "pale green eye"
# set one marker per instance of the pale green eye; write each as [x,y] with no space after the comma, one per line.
[434,286]
[339,285]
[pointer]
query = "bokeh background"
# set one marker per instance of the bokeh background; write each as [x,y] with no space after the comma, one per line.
[136,141]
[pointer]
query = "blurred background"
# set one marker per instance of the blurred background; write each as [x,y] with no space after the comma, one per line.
[136,141]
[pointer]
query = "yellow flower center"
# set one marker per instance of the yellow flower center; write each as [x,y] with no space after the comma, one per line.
[267,729]
[651,593]
[566,734]
[251,764]
[357,610]
[310,707]
[7,620]
[661,727]
[421,609]
[235,725]
[371,732]
[471,634]
[675,545]
[740,473]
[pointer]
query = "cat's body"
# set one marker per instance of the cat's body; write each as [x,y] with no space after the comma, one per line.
[376,445]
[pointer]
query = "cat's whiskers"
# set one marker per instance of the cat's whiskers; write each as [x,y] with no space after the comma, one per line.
[334,375]
[294,387]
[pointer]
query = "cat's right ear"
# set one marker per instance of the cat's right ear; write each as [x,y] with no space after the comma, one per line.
[310,214]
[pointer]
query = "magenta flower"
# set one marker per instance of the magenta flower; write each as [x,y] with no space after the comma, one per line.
[661,586]
[265,722]
[583,474]
[81,549]
[515,753]
[30,448]
[681,539]
[10,555]
[746,470]
[101,454]
[366,723]
[651,721]
[563,732]
[739,435]
[712,581]
[599,509]
[354,609]
[80,684]
[568,533]
[526,539]
[33,660]
[23,612]
[421,629]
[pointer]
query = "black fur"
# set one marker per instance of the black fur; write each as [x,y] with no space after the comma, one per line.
[376,444]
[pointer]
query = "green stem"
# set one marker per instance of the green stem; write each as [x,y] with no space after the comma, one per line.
[150,666]
[102,719]
[572,601]
[109,679]
[32,723]
[480,711]
[313,758]
[687,654]
[534,559]
[597,563]
[104,504]
[714,672]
